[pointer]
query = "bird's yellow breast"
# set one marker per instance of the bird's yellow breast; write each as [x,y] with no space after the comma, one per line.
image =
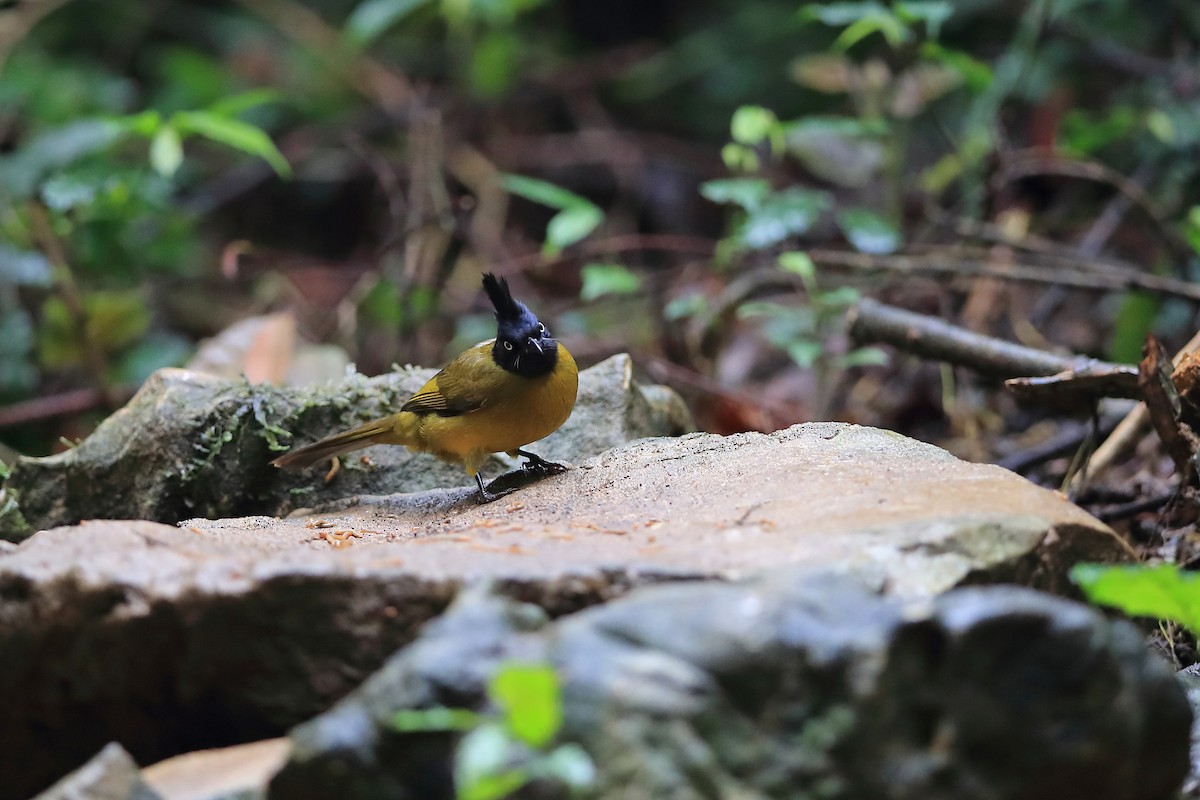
[517,411]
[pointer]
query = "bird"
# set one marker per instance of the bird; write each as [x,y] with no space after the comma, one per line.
[495,397]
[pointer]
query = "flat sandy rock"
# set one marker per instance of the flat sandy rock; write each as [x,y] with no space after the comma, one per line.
[830,495]
[169,639]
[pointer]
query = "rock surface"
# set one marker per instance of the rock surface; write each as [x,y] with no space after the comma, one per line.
[110,775]
[241,772]
[189,444]
[796,685]
[174,639]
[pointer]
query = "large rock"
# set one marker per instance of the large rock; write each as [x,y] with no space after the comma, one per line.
[189,444]
[798,685]
[110,775]
[170,639]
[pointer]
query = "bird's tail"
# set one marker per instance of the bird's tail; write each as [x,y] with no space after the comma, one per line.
[381,431]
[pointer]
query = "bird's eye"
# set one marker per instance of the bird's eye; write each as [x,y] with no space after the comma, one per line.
[508,345]
[541,328]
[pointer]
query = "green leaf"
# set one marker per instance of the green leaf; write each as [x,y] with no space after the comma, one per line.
[868,232]
[244,101]
[836,15]
[373,17]
[790,212]
[143,358]
[434,719]
[603,279]
[234,133]
[570,764]
[685,306]
[493,62]
[21,171]
[976,74]
[481,765]
[798,263]
[571,225]
[114,320]
[873,19]
[864,357]
[542,192]
[530,699]
[23,267]
[933,13]
[1136,317]
[65,192]
[739,157]
[1162,592]
[804,352]
[166,151]
[840,298]
[752,124]
[745,192]
[494,787]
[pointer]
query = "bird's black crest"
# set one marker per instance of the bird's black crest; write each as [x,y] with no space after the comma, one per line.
[502,300]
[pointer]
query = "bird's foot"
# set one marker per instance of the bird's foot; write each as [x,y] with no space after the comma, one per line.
[536,464]
[486,495]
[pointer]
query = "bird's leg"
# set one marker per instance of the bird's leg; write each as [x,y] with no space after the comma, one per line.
[489,497]
[536,463]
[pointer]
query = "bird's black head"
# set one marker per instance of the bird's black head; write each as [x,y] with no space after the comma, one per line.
[523,344]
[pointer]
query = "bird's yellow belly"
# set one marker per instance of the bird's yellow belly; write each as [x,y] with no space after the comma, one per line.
[537,408]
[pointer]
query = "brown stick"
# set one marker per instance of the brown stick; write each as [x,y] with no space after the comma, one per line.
[938,340]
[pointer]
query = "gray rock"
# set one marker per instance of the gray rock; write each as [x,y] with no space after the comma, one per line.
[109,775]
[190,445]
[796,685]
[171,639]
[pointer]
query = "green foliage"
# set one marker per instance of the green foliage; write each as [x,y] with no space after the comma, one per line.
[1163,591]
[606,279]
[502,751]
[576,218]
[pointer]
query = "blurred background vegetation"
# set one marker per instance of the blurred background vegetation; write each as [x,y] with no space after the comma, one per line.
[709,185]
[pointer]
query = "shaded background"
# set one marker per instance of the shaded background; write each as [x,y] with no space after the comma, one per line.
[321,183]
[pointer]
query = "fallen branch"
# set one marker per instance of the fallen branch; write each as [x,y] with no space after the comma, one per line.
[938,340]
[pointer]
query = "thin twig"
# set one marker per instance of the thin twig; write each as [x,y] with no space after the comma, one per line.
[58,405]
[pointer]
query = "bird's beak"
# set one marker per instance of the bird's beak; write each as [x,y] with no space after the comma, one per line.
[535,343]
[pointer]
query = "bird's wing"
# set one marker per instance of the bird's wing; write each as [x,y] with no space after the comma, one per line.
[462,387]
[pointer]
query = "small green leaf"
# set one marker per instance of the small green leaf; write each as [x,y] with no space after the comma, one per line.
[933,13]
[244,101]
[1163,591]
[798,263]
[65,192]
[23,267]
[868,232]
[804,352]
[571,225]
[976,74]
[837,15]
[372,18]
[434,719]
[166,151]
[864,357]
[739,157]
[1159,123]
[837,299]
[745,192]
[570,764]
[481,765]
[752,124]
[542,192]
[603,279]
[493,63]
[234,133]
[883,22]
[529,696]
[790,212]
[685,306]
